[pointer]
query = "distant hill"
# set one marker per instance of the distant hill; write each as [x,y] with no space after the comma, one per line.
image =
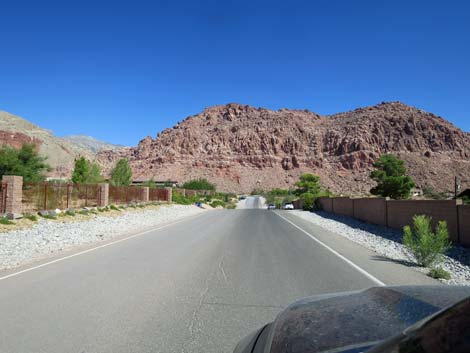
[91,143]
[60,153]
[240,148]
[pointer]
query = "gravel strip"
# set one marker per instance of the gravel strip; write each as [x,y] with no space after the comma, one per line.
[19,247]
[387,242]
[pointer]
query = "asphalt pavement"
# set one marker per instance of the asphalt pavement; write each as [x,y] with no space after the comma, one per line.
[196,286]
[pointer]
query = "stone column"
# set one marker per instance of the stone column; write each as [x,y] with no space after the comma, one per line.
[14,197]
[144,194]
[103,200]
[169,194]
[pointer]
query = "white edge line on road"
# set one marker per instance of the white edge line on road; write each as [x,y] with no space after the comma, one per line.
[95,248]
[349,262]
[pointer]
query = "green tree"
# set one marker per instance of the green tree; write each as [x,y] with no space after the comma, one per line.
[25,162]
[95,176]
[199,184]
[121,175]
[86,172]
[390,176]
[308,200]
[81,171]
[308,183]
[150,184]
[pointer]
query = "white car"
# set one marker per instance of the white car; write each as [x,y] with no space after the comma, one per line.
[288,206]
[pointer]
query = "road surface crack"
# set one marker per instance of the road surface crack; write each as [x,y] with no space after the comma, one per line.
[221,268]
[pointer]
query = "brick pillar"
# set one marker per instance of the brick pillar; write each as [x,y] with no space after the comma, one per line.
[169,194]
[144,196]
[104,195]
[14,197]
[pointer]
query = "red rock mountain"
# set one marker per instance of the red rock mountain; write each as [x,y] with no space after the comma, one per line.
[240,148]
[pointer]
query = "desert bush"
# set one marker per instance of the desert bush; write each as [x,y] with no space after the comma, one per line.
[31,217]
[199,184]
[217,203]
[438,273]
[48,216]
[5,221]
[426,246]
[184,200]
[308,200]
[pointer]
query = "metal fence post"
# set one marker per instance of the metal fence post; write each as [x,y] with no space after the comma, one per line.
[45,196]
[68,195]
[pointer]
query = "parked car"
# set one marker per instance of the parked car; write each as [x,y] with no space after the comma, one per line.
[288,206]
[271,206]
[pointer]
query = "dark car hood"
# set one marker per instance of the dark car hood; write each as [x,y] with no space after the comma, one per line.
[345,321]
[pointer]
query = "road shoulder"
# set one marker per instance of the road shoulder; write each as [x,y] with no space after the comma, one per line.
[388,271]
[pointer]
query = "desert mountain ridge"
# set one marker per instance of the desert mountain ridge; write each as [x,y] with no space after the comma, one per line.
[60,152]
[240,148]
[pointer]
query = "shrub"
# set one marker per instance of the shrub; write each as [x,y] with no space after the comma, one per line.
[183,200]
[113,207]
[84,212]
[257,191]
[199,184]
[5,221]
[70,213]
[31,217]
[149,183]
[438,273]
[308,201]
[217,203]
[426,247]
[48,216]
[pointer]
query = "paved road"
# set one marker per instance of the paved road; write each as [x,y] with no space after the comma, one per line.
[196,286]
[251,202]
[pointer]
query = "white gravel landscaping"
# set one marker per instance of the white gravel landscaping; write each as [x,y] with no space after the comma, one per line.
[19,247]
[387,242]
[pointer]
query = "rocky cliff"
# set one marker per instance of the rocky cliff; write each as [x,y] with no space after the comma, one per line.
[240,148]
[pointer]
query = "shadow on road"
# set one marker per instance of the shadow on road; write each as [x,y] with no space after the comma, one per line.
[401,262]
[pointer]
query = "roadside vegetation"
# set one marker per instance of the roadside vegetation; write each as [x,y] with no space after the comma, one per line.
[308,190]
[121,175]
[25,162]
[208,195]
[279,197]
[86,172]
[199,184]
[426,247]
[150,184]
[391,178]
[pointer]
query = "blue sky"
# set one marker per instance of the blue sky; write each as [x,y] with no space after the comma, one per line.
[122,70]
